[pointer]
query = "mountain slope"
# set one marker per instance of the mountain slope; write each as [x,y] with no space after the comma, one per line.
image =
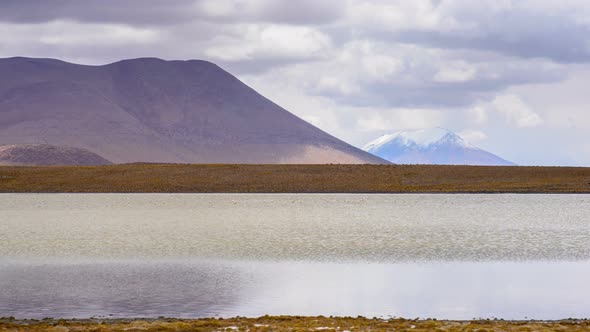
[436,146]
[43,154]
[151,110]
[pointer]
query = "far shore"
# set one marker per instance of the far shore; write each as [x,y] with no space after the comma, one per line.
[246,178]
[289,323]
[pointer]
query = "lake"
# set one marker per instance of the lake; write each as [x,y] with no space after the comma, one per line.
[202,255]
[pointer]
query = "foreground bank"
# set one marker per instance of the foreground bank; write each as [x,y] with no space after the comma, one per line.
[181,178]
[287,323]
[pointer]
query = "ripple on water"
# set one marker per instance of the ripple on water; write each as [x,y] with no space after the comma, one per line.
[379,228]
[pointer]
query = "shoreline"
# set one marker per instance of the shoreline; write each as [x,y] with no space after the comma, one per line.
[291,323]
[309,179]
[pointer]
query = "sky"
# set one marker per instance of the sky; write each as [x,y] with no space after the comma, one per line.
[511,76]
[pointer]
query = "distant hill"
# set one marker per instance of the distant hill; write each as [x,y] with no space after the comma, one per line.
[43,154]
[435,146]
[151,110]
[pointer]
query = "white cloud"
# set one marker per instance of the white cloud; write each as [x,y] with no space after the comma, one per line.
[398,15]
[352,66]
[455,72]
[516,111]
[280,11]
[473,136]
[251,41]
[217,8]
[343,71]
[389,120]
[69,33]
[478,114]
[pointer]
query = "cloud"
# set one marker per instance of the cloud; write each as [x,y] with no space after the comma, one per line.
[473,136]
[156,12]
[62,33]
[374,73]
[524,28]
[510,69]
[84,43]
[477,114]
[389,16]
[393,119]
[259,42]
[283,11]
[456,72]
[516,111]
[147,12]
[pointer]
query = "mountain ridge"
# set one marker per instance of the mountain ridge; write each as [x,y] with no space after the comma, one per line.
[154,110]
[48,155]
[437,146]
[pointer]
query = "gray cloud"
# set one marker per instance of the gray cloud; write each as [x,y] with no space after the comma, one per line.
[357,68]
[529,29]
[421,90]
[156,12]
[556,40]
[277,11]
[95,11]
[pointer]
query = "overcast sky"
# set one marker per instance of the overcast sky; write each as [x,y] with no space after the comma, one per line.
[512,76]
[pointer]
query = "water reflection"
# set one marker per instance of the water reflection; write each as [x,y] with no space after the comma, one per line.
[120,289]
[544,290]
[442,256]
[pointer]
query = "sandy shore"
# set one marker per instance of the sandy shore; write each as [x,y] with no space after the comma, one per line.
[285,323]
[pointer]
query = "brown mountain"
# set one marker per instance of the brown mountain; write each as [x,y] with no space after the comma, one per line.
[151,110]
[43,154]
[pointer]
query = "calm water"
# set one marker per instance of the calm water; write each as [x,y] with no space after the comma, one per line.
[443,256]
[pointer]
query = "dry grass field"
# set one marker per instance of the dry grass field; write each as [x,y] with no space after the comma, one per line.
[179,178]
[284,323]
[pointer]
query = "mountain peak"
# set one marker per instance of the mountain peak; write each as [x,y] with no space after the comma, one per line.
[154,110]
[421,138]
[430,146]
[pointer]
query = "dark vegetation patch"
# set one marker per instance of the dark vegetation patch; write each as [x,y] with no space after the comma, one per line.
[181,178]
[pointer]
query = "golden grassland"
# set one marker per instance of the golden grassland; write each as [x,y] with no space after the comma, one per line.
[184,178]
[290,323]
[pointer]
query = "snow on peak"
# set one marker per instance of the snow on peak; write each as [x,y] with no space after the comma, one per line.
[422,138]
[436,146]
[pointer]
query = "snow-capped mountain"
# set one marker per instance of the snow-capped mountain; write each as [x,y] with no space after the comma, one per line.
[431,146]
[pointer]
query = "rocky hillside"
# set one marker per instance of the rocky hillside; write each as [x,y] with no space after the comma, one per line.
[151,110]
[43,154]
